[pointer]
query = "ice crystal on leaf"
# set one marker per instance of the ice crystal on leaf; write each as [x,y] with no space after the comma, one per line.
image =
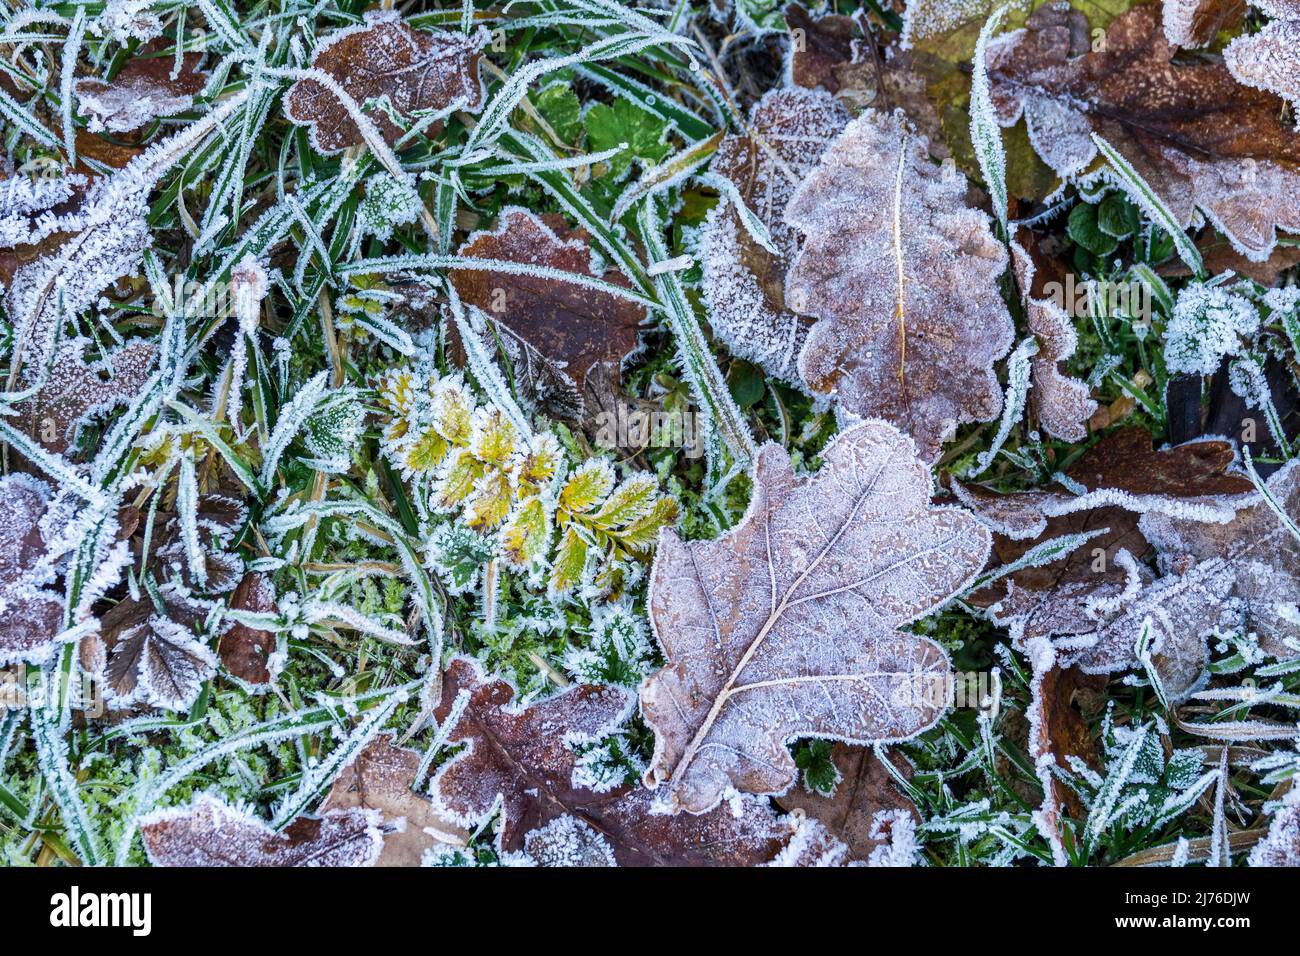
[142,91]
[744,282]
[1269,60]
[1195,135]
[1063,403]
[788,625]
[160,663]
[1208,323]
[1282,845]
[384,57]
[902,277]
[1195,23]
[521,758]
[210,832]
[31,614]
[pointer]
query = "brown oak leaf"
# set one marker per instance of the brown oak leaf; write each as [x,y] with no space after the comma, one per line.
[1260,558]
[861,808]
[822,50]
[383,56]
[76,389]
[789,625]
[902,277]
[567,328]
[142,91]
[380,778]
[209,832]
[1198,137]
[1063,404]
[744,283]
[523,757]
[246,651]
[31,613]
[1195,23]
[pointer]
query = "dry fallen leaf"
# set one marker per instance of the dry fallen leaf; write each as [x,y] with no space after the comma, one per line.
[522,756]
[380,778]
[1261,559]
[744,283]
[31,613]
[1194,23]
[1198,137]
[822,51]
[865,795]
[1063,404]
[142,91]
[902,277]
[566,328]
[246,651]
[209,832]
[788,625]
[160,663]
[76,389]
[384,57]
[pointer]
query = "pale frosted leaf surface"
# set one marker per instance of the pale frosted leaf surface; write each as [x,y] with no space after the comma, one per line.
[1282,845]
[568,842]
[31,613]
[76,389]
[902,277]
[1261,558]
[524,758]
[1269,60]
[787,626]
[1196,135]
[209,832]
[159,663]
[381,778]
[1063,403]
[383,56]
[743,283]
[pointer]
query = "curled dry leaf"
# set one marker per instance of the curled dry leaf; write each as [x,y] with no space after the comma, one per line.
[1194,23]
[247,652]
[31,613]
[565,328]
[1064,404]
[380,779]
[1269,60]
[76,389]
[1196,135]
[209,832]
[865,796]
[743,282]
[142,91]
[902,277]
[384,57]
[788,625]
[1260,559]
[522,756]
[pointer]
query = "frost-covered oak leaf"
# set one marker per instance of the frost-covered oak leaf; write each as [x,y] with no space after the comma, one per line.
[566,328]
[1199,138]
[380,778]
[789,625]
[1195,23]
[1269,60]
[521,758]
[142,91]
[1260,559]
[31,613]
[210,832]
[1063,403]
[76,389]
[384,57]
[743,282]
[902,277]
